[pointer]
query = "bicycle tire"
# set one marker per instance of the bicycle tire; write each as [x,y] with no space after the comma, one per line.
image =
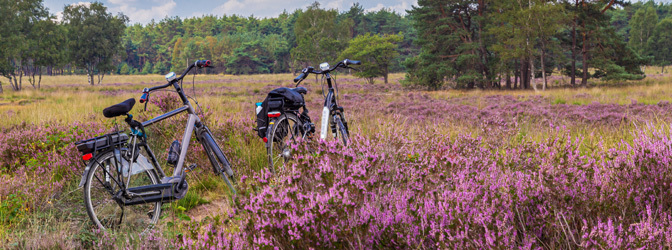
[105,222]
[277,133]
[345,136]
[218,160]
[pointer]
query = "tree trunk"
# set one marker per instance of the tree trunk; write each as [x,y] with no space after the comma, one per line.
[543,67]
[532,82]
[32,76]
[584,51]
[524,74]
[387,72]
[39,81]
[508,80]
[89,75]
[515,75]
[573,72]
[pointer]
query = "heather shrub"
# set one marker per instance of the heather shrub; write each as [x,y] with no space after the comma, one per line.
[39,159]
[437,192]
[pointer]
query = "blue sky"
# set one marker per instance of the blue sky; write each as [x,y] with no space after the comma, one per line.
[142,11]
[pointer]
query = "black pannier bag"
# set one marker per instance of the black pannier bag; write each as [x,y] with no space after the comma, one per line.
[279,99]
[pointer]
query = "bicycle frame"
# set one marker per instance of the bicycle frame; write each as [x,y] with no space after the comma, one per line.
[193,122]
[329,109]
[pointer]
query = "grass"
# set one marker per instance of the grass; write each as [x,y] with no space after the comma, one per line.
[62,223]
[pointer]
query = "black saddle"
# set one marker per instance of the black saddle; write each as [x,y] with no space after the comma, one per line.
[119,109]
[301,90]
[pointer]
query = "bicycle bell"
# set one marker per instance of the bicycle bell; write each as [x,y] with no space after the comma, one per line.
[170,76]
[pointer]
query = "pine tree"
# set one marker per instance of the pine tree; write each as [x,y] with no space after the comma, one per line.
[450,34]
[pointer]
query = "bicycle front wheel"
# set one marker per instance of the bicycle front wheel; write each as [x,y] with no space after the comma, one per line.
[106,175]
[282,131]
[219,162]
[345,136]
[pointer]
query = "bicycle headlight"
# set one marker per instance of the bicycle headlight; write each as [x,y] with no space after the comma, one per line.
[324,66]
[170,76]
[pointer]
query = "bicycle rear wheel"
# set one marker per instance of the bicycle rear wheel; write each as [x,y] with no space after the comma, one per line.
[282,131]
[106,175]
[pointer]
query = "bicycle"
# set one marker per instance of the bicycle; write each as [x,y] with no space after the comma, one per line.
[124,187]
[287,125]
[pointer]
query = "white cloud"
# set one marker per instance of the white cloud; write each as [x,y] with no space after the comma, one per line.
[230,6]
[258,8]
[399,8]
[334,4]
[142,15]
[58,17]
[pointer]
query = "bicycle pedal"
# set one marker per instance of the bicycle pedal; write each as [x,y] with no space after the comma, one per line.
[190,168]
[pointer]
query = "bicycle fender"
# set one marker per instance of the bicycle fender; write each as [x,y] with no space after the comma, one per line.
[86,173]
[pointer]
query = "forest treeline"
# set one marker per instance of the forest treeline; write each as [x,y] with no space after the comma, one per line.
[464,44]
[513,43]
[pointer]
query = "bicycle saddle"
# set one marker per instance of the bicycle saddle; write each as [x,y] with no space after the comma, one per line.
[301,90]
[119,109]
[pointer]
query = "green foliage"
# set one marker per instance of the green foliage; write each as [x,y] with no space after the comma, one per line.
[124,70]
[12,209]
[320,35]
[449,33]
[160,68]
[17,43]
[660,42]
[248,59]
[376,53]
[641,27]
[94,37]
[147,69]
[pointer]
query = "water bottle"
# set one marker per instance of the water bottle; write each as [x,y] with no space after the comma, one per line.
[174,153]
[259,108]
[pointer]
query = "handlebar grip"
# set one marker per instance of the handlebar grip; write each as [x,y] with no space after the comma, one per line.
[348,62]
[300,77]
[145,97]
[203,63]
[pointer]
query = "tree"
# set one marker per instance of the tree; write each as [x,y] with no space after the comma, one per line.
[245,60]
[525,39]
[94,37]
[147,68]
[376,53]
[15,29]
[319,36]
[450,34]
[46,41]
[660,43]
[641,27]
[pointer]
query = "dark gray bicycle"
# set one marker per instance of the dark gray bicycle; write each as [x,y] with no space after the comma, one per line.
[287,125]
[124,185]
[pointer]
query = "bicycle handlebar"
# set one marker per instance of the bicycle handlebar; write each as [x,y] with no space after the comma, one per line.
[146,91]
[344,64]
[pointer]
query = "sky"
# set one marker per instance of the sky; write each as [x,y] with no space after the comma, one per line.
[142,11]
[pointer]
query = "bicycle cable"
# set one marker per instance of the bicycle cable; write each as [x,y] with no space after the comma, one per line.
[322,86]
[188,96]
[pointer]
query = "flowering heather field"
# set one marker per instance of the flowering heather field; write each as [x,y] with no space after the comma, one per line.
[566,168]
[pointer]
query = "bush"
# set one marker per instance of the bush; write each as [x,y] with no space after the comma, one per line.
[432,192]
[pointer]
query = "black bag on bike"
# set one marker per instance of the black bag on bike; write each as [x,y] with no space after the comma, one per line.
[280,99]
